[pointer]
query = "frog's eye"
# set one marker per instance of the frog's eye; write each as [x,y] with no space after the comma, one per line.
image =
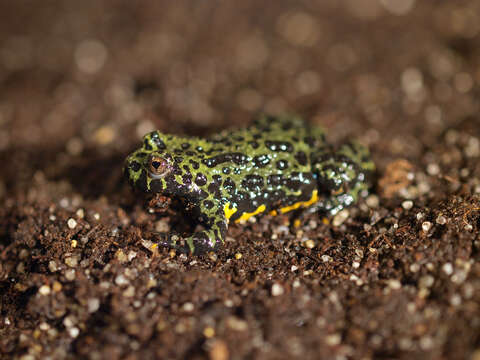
[157,166]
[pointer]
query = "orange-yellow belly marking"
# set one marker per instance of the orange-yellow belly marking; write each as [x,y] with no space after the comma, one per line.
[246,216]
[229,211]
[307,203]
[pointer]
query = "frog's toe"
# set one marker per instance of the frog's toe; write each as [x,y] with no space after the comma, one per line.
[201,243]
[197,244]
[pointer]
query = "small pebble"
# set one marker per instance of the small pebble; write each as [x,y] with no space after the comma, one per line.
[70,274]
[407,204]
[277,290]
[80,213]
[188,307]
[426,343]
[71,223]
[394,284]
[57,286]
[69,321]
[426,281]
[473,147]
[441,220]
[310,244]
[74,146]
[333,339]
[73,332]
[340,218]
[44,290]
[237,324]
[414,267]
[27,357]
[433,169]
[93,305]
[121,280]
[131,255]
[426,226]
[372,201]
[71,261]
[447,268]
[456,300]
[129,292]
[228,303]
[209,332]
[120,255]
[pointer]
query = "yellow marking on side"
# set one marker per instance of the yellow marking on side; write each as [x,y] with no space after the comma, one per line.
[325,221]
[273,213]
[297,223]
[312,201]
[229,211]
[246,216]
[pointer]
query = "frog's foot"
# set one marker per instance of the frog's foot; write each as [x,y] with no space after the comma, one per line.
[199,243]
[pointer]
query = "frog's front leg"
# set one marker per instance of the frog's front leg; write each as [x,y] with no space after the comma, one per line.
[200,242]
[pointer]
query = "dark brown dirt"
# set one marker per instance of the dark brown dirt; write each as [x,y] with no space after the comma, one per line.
[395,277]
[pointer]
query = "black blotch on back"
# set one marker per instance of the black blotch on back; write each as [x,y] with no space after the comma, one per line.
[310,141]
[301,157]
[236,158]
[208,204]
[229,185]
[253,183]
[195,164]
[275,180]
[282,164]
[279,146]
[201,179]
[261,161]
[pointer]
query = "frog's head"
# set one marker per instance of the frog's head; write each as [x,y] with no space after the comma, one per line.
[345,174]
[152,167]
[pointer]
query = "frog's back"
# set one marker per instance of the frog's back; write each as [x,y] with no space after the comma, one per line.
[265,166]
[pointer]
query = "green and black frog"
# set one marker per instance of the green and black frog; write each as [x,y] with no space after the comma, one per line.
[276,165]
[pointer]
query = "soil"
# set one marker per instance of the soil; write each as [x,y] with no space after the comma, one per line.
[396,276]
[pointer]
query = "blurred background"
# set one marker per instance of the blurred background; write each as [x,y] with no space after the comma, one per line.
[76,73]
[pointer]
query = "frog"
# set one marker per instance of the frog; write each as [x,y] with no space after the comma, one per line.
[276,165]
